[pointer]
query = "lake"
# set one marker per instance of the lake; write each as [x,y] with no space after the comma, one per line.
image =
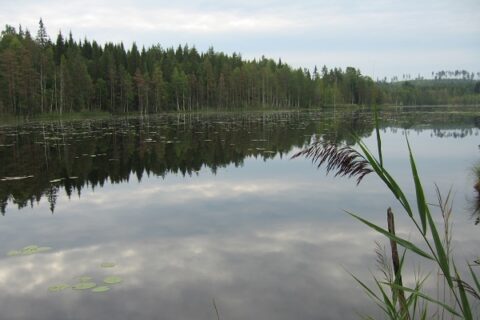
[194,214]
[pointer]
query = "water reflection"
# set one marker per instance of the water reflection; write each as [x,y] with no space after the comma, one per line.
[39,160]
[195,220]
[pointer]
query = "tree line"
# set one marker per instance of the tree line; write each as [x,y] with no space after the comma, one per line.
[38,75]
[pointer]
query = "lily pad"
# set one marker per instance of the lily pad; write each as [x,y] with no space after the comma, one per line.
[43,249]
[84,285]
[30,248]
[107,265]
[84,278]
[58,287]
[14,253]
[101,289]
[112,280]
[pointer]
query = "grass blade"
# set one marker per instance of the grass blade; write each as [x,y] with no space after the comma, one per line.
[379,139]
[386,177]
[441,255]
[404,243]
[421,203]
[424,296]
[467,313]
[475,279]
[390,305]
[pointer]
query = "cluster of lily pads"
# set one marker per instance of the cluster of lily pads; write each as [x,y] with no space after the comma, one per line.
[83,283]
[28,250]
[87,283]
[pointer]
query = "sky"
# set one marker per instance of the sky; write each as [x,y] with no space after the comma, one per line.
[382,38]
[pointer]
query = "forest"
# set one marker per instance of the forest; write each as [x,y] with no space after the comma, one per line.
[39,75]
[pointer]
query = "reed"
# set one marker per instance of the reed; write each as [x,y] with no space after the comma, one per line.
[391,296]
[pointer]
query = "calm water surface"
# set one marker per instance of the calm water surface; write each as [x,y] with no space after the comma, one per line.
[193,209]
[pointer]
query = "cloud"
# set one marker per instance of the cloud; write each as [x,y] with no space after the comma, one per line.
[324,29]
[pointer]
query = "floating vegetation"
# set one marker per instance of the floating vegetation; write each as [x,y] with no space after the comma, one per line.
[28,250]
[59,287]
[15,178]
[84,286]
[14,253]
[112,280]
[107,265]
[84,282]
[85,278]
[101,289]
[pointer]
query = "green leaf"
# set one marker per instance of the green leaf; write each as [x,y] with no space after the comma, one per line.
[442,258]
[101,289]
[85,279]
[58,287]
[107,265]
[14,253]
[467,312]
[404,243]
[424,296]
[112,280]
[390,305]
[365,287]
[421,203]
[386,177]
[379,139]
[475,279]
[84,285]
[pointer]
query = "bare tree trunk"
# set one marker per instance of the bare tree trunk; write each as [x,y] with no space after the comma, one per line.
[396,266]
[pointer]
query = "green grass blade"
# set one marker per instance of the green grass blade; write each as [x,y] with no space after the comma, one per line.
[402,242]
[441,255]
[424,314]
[475,279]
[386,177]
[467,312]
[421,203]
[370,291]
[379,139]
[371,294]
[386,300]
[424,296]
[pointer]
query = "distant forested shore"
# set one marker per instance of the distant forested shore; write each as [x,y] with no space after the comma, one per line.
[40,76]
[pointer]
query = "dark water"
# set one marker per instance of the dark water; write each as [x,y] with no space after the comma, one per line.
[193,209]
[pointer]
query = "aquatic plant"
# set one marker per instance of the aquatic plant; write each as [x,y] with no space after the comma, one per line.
[101,289]
[28,250]
[112,280]
[393,298]
[84,285]
[87,282]
[107,265]
[59,287]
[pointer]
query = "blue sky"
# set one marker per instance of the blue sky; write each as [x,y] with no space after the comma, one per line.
[382,38]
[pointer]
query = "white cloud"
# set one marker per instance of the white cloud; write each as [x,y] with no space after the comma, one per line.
[353,33]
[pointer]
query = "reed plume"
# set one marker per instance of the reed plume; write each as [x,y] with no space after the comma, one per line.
[344,160]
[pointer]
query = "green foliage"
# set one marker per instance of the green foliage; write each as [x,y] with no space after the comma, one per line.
[438,252]
[43,76]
